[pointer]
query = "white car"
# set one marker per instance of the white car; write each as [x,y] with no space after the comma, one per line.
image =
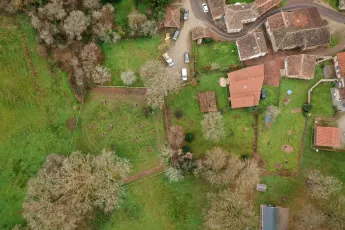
[204,7]
[184,74]
[168,59]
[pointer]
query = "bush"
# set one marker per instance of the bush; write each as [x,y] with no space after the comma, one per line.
[307,108]
[148,111]
[208,40]
[189,137]
[186,149]
[178,114]
[244,156]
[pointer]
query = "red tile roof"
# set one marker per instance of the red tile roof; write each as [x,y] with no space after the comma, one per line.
[300,66]
[216,8]
[341,63]
[245,86]
[172,17]
[266,5]
[327,136]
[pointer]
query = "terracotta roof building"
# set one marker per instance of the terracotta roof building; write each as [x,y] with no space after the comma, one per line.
[327,136]
[339,64]
[238,14]
[208,102]
[341,4]
[200,32]
[245,86]
[266,5]
[300,66]
[216,8]
[172,17]
[251,46]
[300,28]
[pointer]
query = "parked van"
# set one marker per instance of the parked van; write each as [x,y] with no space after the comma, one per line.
[184,74]
[168,59]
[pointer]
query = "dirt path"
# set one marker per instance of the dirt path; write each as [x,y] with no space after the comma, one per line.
[341,125]
[184,41]
[146,173]
[119,90]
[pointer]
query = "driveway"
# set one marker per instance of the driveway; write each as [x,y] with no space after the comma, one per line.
[184,41]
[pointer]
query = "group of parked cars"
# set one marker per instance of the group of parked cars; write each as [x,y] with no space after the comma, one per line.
[186,56]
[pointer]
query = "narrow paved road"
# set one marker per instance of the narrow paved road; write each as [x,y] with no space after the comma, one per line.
[207,19]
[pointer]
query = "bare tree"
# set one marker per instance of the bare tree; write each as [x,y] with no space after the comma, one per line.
[310,218]
[65,192]
[52,11]
[91,4]
[321,186]
[173,174]
[336,213]
[128,77]
[140,26]
[219,167]
[166,154]
[176,137]
[100,75]
[230,210]
[213,126]
[249,177]
[75,24]
[159,82]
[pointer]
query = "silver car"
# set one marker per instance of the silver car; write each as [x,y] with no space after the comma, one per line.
[176,34]
[186,57]
[185,15]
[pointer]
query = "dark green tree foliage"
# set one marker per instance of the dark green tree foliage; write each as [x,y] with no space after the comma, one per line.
[189,137]
[158,8]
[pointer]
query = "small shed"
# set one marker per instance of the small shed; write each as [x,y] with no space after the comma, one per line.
[208,102]
[261,187]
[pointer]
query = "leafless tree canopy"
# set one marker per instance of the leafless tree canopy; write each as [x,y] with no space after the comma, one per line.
[67,189]
[176,137]
[159,82]
[321,186]
[310,218]
[140,26]
[230,210]
[128,77]
[75,24]
[336,213]
[213,126]
[173,174]
[219,167]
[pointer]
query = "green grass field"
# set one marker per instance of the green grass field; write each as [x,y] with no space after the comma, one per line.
[240,134]
[33,109]
[274,136]
[134,136]
[223,53]
[157,204]
[124,7]
[130,54]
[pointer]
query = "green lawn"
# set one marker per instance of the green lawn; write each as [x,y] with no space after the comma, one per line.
[238,123]
[223,53]
[333,3]
[157,204]
[274,136]
[120,128]
[32,124]
[130,54]
[124,7]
